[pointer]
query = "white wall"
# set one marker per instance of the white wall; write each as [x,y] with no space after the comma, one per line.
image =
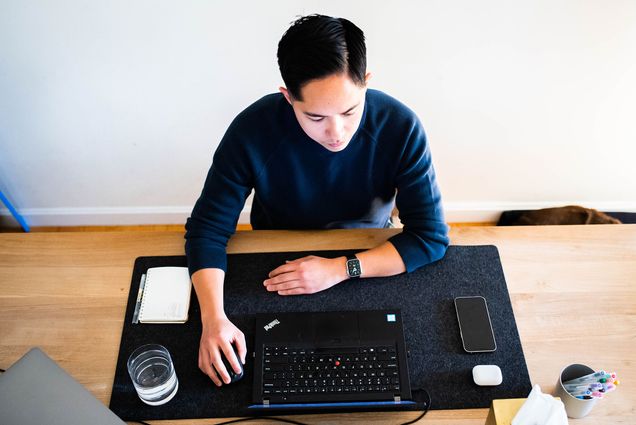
[110,111]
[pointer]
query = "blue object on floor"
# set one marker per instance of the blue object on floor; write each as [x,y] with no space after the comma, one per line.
[14,213]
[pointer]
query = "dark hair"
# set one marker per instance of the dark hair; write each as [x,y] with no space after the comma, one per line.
[317,46]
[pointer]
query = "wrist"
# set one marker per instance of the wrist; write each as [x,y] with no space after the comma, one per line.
[340,268]
[212,316]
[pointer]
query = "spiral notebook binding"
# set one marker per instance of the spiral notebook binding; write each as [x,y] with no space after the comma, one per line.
[139,304]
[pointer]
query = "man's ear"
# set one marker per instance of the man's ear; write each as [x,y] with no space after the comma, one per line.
[367,77]
[285,93]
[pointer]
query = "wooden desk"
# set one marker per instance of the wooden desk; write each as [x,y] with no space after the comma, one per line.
[573,290]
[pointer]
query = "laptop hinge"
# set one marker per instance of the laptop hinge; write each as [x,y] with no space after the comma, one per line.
[397,398]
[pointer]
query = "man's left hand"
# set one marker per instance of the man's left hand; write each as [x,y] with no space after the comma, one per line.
[306,275]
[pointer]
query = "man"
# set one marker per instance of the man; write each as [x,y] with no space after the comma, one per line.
[323,153]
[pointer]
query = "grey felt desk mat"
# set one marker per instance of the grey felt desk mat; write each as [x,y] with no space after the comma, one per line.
[437,360]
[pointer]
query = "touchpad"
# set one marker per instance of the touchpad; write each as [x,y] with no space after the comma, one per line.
[336,328]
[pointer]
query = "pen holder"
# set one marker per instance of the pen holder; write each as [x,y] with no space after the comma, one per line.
[574,407]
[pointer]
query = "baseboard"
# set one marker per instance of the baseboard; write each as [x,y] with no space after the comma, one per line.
[456,212]
[107,216]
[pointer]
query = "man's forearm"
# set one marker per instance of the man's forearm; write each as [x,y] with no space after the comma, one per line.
[208,284]
[383,260]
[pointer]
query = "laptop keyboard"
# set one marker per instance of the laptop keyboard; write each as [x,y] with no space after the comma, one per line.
[302,374]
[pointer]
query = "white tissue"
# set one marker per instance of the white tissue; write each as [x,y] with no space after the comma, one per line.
[541,409]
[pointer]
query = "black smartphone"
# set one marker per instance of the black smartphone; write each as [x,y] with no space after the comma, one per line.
[475,327]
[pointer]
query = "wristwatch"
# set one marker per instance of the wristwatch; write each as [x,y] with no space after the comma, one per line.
[353,266]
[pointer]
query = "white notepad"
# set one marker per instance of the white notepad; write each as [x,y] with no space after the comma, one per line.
[166,295]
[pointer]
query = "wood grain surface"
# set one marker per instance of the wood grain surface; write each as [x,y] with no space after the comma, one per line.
[573,291]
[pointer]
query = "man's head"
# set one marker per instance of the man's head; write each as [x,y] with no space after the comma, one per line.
[323,63]
[317,46]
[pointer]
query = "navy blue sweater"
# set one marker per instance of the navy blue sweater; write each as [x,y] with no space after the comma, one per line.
[298,184]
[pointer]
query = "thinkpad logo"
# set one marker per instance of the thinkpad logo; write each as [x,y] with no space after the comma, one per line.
[272,324]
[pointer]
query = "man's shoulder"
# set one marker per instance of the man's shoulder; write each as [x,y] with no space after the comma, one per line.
[268,101]
[258,129]
[266,118]
[383,105]
[378,96]
[387,118]
[392,126]
[269,105]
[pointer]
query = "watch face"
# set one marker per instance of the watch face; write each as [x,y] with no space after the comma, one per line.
[353,267]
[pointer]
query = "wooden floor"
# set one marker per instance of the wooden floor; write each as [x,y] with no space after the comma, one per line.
[158,228]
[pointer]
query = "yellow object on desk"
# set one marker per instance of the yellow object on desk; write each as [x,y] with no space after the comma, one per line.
[502,412]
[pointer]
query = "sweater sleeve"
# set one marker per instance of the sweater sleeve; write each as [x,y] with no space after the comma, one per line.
[215,214]
[424,238]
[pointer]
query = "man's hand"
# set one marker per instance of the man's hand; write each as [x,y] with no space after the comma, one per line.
[216,340]
[306,275]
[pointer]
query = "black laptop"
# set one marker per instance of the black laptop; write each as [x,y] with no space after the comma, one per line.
[349,359]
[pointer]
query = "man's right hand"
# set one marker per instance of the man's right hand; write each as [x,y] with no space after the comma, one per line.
[216,340]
